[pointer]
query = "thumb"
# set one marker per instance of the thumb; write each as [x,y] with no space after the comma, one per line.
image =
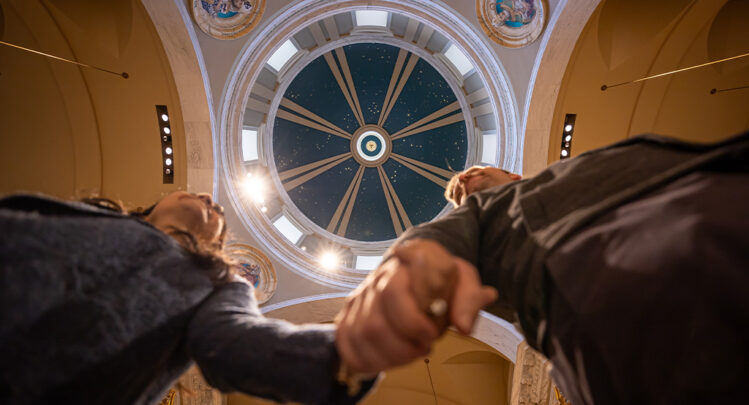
[470,296]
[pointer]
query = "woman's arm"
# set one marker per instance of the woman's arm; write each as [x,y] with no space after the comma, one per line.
[238,349]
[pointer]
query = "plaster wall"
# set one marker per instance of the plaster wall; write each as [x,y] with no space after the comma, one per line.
[74,132]
[615,47]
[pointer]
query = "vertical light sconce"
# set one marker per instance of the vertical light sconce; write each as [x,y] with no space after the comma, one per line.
[567,130]
[167,150]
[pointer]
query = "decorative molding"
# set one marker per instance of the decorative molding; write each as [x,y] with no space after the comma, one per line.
[531,383]
[297,16]
[174,26]
[474,155]
[257,269]
[491,330]
[499,334]
[169,397]
[557,45]
[227,19]
[266,310]
[194,390]
[517,25]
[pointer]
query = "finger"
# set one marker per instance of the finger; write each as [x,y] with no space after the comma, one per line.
[346,352]
[389,348]
[401,311]
[470,296]
[377,346]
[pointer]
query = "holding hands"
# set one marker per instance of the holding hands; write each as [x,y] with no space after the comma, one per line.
[395,315]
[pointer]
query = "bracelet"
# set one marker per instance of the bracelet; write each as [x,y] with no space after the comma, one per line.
[350,380]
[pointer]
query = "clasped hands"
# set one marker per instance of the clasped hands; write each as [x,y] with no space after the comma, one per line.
[387,321]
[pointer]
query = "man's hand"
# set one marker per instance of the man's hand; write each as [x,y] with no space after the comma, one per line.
[386,321]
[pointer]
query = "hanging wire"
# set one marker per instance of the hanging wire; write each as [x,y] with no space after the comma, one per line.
[713,91]
[426,361]
[605,87]
[123,74]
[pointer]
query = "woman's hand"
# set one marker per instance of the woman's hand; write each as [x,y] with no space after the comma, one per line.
[389,319]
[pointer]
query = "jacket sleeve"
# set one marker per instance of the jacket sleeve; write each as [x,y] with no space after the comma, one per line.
[459,231]
[238,349]
[477,232]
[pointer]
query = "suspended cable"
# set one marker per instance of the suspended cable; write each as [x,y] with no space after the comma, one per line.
[604,87]
[426,361]
[713,91]
[123,74]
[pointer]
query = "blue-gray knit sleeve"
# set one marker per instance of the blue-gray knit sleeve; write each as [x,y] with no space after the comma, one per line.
[238,349]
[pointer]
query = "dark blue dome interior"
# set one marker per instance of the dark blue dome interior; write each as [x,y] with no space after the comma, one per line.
[322,193]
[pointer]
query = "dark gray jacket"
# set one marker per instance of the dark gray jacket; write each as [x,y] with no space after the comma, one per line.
[97,307]
[509,231]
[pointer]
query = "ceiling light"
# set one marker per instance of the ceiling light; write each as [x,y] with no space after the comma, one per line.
[568,138]
[168,150]
[254,187]
[164,117]
[564,153]
[167,131]
[329,260]
[168,162]
[567,128]
[264,209]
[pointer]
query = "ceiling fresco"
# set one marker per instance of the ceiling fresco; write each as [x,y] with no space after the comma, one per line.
[393,133]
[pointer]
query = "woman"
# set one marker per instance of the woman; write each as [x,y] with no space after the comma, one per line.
[100,306]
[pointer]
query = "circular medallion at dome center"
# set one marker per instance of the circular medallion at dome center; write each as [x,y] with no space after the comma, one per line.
[371,146]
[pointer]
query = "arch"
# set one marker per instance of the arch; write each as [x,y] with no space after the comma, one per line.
[557,44]
[172,21]
[489,329]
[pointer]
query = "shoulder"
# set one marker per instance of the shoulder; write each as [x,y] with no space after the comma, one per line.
[47,205]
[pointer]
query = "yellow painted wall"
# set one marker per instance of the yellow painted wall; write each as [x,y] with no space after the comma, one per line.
[630,39]
[74,132]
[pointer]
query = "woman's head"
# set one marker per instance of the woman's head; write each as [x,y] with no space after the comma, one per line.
[194,221]
[182,213]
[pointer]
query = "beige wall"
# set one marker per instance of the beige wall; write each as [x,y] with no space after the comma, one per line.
[73,132]
[626,40]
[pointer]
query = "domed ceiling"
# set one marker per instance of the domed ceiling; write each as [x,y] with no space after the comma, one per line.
[386,133]
[343,122]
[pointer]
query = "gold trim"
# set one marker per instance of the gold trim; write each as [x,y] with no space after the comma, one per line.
[387,145]
[207,24]
[266,289]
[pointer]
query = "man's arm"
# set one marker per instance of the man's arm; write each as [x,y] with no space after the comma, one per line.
[459,232]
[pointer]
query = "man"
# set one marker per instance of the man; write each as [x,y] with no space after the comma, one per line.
[627,266]
[475,179]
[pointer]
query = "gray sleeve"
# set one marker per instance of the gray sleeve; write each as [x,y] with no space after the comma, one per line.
[238,349]
[458,232]
[476,232]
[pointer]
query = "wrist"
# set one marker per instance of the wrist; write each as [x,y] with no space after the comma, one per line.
[352,380]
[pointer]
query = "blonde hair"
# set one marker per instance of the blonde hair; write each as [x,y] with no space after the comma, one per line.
[456,189]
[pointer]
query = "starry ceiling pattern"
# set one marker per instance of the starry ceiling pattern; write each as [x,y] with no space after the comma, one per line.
[346,108]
